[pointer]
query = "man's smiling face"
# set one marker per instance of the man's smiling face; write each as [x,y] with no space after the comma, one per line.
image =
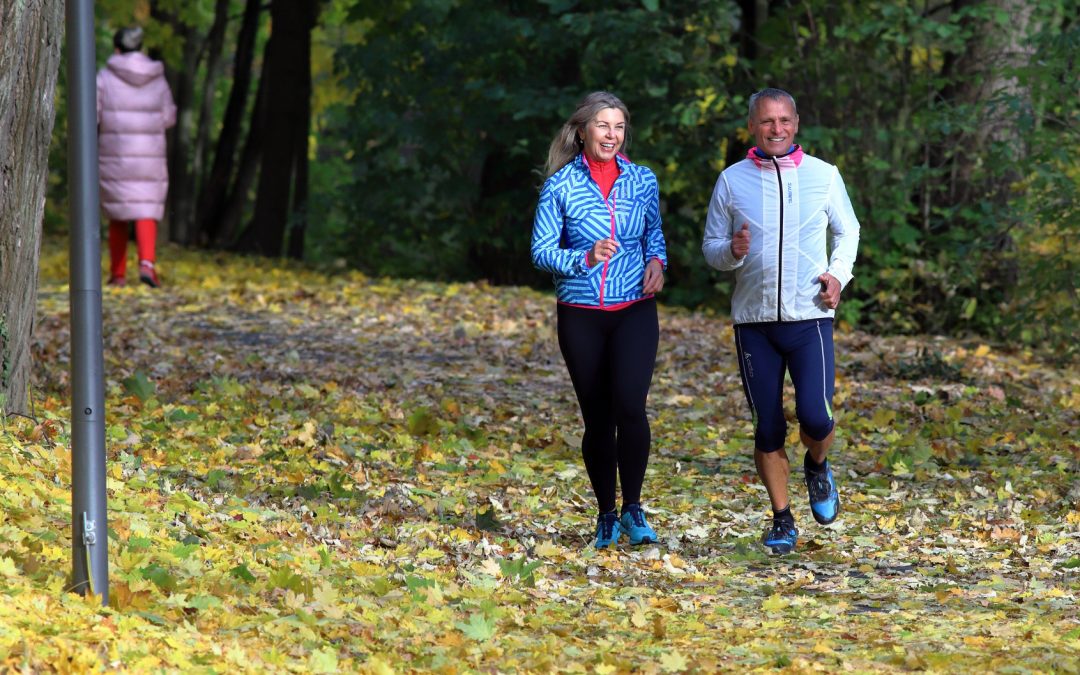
[774,125]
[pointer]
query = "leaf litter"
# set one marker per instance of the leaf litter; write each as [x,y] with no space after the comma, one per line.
[336,473]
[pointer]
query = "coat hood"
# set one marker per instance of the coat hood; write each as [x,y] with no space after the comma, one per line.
[135,68]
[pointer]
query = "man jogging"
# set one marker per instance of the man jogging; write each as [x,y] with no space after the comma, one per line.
[774,217]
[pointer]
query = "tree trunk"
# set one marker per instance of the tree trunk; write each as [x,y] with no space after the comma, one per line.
[215,44]
[982,81]
[299,220]
[288,93]
[214,195]
[179,209]
[31,32]
[237,198]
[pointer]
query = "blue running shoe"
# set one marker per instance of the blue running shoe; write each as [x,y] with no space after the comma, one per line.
[607,530]
[781,537]
[634,525]
[824,499]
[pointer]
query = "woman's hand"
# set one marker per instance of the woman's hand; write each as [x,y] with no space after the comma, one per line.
[601,251]
[654,277]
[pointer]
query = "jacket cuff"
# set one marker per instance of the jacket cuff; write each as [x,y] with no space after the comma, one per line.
[843,276]
[729,259]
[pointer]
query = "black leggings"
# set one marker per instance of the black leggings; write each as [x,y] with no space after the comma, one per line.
[610,356]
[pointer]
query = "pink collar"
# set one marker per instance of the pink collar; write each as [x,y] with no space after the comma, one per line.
[789,161]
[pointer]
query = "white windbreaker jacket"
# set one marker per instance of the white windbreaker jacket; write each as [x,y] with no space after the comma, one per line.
[792,204]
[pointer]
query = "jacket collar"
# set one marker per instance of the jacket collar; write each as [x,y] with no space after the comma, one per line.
[582,162]
[791,160]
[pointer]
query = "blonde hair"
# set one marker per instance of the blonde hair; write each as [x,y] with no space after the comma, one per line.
[567,143]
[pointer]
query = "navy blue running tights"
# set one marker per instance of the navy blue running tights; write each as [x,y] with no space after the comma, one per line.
[803,348]
[610,356]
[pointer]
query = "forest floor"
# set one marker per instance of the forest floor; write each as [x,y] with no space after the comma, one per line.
[334,473]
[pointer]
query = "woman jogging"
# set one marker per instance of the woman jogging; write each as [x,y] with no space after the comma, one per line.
[597,231]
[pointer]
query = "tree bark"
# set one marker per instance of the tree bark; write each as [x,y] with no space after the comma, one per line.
[237,198]
[299,220]
[179,209]
[288,79]
[215,44]
[214,194]
[31,32]
[980,76]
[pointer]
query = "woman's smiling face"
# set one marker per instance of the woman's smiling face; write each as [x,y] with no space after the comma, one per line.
[604,134]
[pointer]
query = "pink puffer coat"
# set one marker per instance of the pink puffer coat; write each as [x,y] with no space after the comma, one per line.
[134,108]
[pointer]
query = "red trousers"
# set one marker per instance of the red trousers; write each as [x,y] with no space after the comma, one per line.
[145,241]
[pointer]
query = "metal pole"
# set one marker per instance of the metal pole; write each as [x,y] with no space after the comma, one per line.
[89,545]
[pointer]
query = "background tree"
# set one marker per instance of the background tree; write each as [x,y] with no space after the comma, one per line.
[451,125]
[30,36]
[427,127]
[282,192]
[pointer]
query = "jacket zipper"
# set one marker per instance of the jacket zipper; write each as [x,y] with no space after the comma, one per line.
[611,211]
[780,253]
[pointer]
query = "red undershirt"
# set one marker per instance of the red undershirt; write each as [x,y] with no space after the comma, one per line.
[604,173]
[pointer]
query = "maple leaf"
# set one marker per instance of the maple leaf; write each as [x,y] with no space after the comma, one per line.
[479,627]
[673,662]
[139,386]
[487,520]
[323,661]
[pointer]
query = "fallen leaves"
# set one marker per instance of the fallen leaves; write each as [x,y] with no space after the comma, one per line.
[385,476]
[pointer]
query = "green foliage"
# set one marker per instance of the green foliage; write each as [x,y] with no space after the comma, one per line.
[519,569]
[451,124]
[139,386]
[949,181]
[1043,307]
[429,133]
[457,102]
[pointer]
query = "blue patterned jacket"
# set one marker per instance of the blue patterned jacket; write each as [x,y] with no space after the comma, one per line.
[572,215]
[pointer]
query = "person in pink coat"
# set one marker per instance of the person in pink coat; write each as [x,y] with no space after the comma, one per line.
[134,108]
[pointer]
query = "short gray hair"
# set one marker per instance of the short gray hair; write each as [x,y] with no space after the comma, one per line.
[773,94]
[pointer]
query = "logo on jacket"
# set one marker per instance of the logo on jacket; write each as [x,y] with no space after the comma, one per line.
[790,193]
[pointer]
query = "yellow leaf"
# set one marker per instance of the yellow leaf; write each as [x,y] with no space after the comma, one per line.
[774,602]
[982,350]
[430,554]
[7,567]
[323,661]
[604,669]
[637,615]
[883,418]
[378,666]
[546,549]
[673,662]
